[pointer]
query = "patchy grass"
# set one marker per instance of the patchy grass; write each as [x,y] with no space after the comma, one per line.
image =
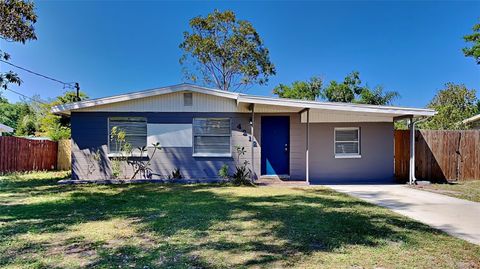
[45,225]
[468,190]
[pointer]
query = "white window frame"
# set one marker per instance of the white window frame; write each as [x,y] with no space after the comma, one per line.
[229,154]
[135,152]
[346,155]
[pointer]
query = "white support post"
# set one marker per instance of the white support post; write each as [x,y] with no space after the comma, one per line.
[307,142]
[411,174]
[253,140]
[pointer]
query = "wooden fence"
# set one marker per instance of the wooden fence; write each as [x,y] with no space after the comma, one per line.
[20,154]
[64,157]
[439,155]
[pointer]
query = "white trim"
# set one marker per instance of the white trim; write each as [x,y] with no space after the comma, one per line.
[66,108]
[228,155]
[250,99]
[5,129]
[346,155]
[471,119]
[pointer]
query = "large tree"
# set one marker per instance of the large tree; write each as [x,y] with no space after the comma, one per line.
[225,52]
[54,126]
[303,90]
[352,91]
[454,103]
[17,19]
[474,38]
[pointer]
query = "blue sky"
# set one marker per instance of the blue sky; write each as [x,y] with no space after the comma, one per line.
[117,47]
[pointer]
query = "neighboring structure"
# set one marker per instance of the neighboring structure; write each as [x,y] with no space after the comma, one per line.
[5,129]
[473,122]
[199,129]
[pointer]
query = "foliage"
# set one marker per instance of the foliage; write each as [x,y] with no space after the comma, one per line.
[93,160]
[377,96]
[474,50]
[16,25]
[351,91]
[27,126]
[223,172]
[20,116]
[141,166]
[303,90]
[54,126]
[175,174]
[242,174]
[123,149]
[453,104]
[225,52]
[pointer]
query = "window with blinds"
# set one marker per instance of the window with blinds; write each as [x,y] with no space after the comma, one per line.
[211,137]
[135,129]
[347,142]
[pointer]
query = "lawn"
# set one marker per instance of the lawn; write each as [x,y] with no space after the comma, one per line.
[468,190]
[46,225]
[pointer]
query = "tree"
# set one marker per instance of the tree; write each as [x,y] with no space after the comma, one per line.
[351,91]
[303,90]
[54,126]
[17,18]
[225,52]
[474,50]
[454,103]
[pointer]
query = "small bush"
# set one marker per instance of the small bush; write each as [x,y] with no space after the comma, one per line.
[223,172]
[175,174]
[242,175]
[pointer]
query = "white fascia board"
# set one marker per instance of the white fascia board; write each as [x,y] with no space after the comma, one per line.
[337,106]
[65,109]
[6,129]
[472,119]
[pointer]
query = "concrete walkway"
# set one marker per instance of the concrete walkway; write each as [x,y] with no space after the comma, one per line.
[456,217]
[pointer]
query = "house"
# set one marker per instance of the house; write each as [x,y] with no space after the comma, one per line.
[199,129]
[473,122]
[5,129]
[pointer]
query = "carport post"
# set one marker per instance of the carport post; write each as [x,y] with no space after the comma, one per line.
[307,142]
[411,173]
[252,122]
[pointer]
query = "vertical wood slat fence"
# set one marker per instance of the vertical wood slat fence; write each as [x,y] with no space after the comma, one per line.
[21,154]
[439,155]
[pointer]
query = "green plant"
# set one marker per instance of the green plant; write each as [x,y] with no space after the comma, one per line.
[123,149]
[242,174]
[223,172]
[92,160]
[142,166]
[175,174]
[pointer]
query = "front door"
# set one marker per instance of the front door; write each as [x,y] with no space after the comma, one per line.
[275,145]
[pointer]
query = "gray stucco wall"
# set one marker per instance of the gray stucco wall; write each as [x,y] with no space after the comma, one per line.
[90,134]
[376,148]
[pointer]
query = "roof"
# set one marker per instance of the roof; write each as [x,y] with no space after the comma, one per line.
[5,128]
[472,119]
[245,98]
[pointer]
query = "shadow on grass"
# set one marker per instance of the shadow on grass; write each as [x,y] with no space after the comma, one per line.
[305,221]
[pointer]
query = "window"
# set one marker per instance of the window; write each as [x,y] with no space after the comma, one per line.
[135,132]
[211,137]
[187,99]
[347,142]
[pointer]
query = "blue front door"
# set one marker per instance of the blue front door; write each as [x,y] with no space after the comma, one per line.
[275,145]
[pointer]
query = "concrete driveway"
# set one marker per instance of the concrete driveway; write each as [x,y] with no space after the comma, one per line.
[456,217]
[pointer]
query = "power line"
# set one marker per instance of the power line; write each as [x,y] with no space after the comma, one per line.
[28,97]
[65,84]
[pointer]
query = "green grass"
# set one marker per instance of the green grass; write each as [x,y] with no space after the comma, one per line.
[46,225]
[467,190]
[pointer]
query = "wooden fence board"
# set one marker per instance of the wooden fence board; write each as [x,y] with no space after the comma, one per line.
[20,154]
[439,155]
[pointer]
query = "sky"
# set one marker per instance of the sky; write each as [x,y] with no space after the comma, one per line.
[118,47]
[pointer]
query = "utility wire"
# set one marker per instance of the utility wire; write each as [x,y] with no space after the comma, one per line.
[28,97]
[65,84]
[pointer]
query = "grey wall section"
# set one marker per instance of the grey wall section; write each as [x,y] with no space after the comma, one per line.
[376,148]
[90,135]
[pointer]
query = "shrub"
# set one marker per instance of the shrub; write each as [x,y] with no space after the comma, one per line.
[223,172]
[175,174]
